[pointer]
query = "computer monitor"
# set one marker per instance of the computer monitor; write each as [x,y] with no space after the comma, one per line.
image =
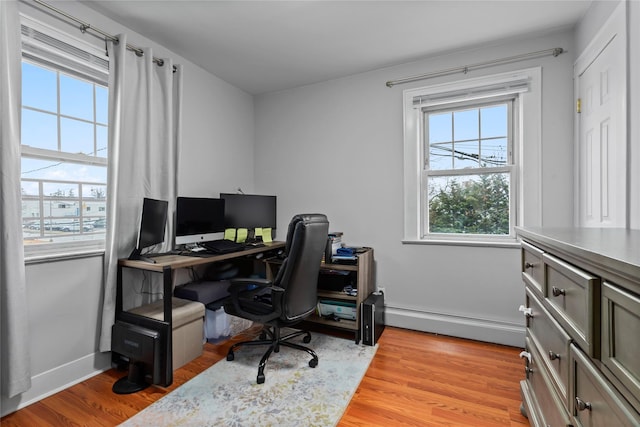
[199,220]
[143,350]
[152,225]
[249,211]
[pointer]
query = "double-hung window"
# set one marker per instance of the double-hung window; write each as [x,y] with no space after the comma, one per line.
[64,141]
[468,168]
[463,145]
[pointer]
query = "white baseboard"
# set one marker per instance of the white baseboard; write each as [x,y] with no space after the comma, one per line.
[510,334]
[61,377]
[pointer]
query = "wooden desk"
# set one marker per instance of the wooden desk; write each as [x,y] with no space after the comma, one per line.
[166,264]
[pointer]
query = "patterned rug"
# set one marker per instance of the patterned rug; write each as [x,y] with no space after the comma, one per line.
[293,394]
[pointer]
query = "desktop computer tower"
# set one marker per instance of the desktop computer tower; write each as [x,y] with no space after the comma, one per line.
[372,318]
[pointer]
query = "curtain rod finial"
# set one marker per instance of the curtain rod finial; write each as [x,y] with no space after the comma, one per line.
[557,51]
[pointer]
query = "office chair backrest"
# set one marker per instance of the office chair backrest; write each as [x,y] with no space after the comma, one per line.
[298,275]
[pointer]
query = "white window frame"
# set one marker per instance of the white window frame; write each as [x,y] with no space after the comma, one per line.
[525,145]
[41,47]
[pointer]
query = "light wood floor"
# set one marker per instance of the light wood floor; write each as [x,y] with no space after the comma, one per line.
[415,379]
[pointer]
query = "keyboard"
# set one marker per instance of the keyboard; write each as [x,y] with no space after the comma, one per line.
[222,246]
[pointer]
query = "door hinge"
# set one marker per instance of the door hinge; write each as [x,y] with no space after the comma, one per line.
[579,106]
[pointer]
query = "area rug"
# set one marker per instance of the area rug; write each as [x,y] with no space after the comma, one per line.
[293,394]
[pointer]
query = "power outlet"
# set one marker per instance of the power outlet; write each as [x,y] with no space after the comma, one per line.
[380,291]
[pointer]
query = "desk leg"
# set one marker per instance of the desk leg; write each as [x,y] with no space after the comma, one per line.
[168,317]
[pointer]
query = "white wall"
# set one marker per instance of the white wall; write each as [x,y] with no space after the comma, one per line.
[65,297]
[337,147]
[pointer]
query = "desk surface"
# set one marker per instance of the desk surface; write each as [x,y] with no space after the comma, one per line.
[181,261]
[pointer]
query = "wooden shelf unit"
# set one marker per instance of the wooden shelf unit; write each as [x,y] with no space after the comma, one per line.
[363,271]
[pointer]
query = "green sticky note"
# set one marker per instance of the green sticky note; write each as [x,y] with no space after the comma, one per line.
[257,231]
[230,234]
[266,235]
[241,237]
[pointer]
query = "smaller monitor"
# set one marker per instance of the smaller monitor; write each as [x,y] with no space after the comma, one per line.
[152,225]
[249,210]
[199,220]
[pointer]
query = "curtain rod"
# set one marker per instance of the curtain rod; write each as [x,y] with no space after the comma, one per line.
[555,52]
[84,27]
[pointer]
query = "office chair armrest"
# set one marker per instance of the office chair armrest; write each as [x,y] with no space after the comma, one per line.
[248,287]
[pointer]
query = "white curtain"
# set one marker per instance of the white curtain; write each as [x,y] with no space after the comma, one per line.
[145,102]
[16,369]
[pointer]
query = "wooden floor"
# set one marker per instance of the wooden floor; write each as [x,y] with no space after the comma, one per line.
[415,379]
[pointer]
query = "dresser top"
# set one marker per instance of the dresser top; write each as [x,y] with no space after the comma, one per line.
[614,249]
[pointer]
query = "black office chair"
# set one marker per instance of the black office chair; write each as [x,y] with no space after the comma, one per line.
[291,297]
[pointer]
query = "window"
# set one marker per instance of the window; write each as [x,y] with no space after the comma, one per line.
[64,140]
[463,147]
[468,169]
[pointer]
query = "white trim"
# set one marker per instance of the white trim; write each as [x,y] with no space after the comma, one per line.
[487,330]
[50,382]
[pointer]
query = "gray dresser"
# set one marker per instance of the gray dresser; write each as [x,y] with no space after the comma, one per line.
[582,309]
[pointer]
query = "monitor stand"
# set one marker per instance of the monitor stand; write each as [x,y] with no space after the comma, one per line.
[136,256]
[133,382]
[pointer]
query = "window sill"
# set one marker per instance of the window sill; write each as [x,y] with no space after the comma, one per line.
[506,243]
[59,254]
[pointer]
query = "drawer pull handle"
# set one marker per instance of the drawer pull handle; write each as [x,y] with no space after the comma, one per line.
[582,405]
[528,265]
[557,291]
[553,356]
[526,311]
[525,355]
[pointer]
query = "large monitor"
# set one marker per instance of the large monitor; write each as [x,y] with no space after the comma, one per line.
[199,220]
[152,225]
[249,210]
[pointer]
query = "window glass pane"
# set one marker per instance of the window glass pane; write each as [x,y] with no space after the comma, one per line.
[39,88]
[466,154]
[470,204]
[494,152]
[465,125]
[76,98]
[101,141]
[39,130]
[441,156]
[76,136]
[440,127]
[493,121]
[102,98]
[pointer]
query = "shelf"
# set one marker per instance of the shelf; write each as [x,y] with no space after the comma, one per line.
[336,295]
[351,325]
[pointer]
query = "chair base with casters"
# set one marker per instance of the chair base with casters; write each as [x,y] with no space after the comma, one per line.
[271,336]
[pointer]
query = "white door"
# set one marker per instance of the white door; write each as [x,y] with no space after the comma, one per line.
[601,129]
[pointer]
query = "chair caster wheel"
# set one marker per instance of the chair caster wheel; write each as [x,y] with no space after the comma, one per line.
[313,363]
[306,339]
[263,336]
[230,356]
[260,379]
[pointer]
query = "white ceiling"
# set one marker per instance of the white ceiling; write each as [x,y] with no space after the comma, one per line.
[265,46]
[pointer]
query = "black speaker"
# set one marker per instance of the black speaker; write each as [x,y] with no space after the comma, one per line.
[372,318]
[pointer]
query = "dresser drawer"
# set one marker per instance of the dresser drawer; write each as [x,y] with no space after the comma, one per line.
[547,408]
[593,401]
[551,342]
[532,267]
[620,351]
[574,299]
